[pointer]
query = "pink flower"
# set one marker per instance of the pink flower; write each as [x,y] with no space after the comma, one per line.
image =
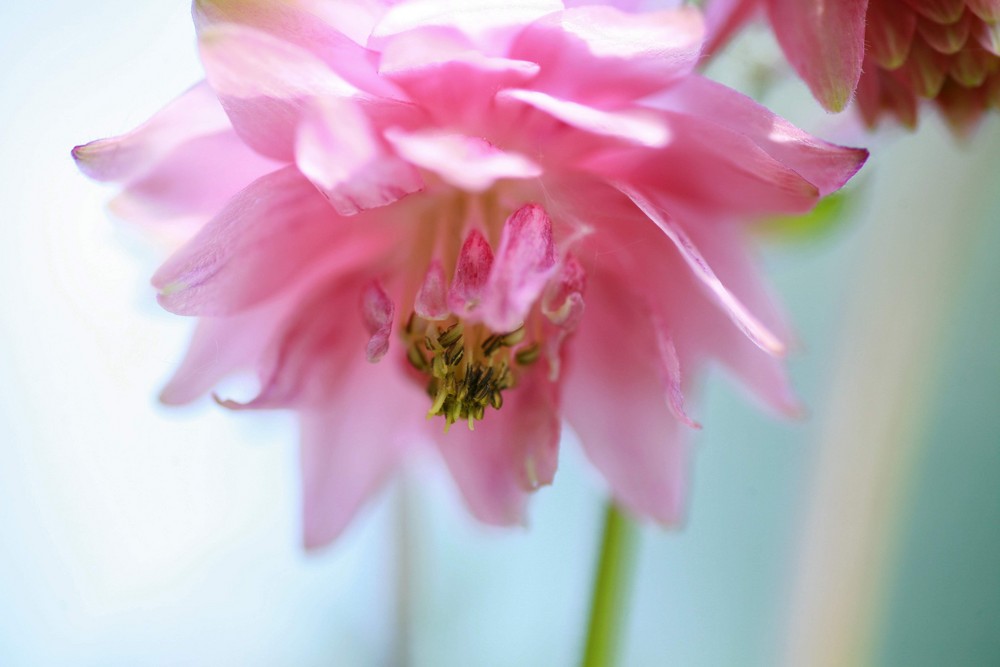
[491,213]
[887,53]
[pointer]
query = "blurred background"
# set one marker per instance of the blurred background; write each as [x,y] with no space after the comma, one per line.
[868,533]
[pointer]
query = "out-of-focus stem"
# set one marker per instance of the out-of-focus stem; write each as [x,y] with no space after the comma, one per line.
[612,583]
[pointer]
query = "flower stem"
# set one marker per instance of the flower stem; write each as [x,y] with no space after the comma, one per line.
[612,582]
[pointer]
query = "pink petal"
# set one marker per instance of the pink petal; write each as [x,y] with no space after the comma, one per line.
[332,31]
[338,151]
[323,334]
[603,56]
[264,83]
[524,263]
[648,272]
[753,328]
[220,346]
[724,18]
[468,163]
[512,451]
[824,165]
[377,311]
[825,42]
[488,23]
[194,181]
[276,229]
[440,70]
[471,272]
[194,114]
[670,375]
[351,442]
[431,302]
[616,405]
[633,125]
[703,331]
[559,302]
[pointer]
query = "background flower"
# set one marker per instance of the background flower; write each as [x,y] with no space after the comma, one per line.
[889,54]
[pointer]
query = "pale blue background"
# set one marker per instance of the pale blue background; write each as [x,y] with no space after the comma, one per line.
[133,535]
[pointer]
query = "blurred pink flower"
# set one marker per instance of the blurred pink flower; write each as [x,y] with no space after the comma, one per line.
[886,53]
[492,213]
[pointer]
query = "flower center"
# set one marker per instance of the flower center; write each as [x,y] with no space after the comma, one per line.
[468,366]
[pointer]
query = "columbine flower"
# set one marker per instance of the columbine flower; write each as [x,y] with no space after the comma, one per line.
[455,222]
[891,52]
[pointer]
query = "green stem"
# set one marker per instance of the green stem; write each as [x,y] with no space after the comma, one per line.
[612,582]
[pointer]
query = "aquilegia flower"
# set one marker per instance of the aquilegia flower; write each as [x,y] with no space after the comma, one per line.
[458,222]
[891,52]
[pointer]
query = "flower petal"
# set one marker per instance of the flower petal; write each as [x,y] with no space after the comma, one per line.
[826,166]
[488,23]
[724,18]
[890,32]
[338,151]
[196,113]
[631,124]
[351,442]
[431,302]
[264,83]
[469,163]
[604,56]
[220,346]
[377,311]
[825,42]
[471,272]
[524,263]
[637,444]
[276,229]
[753,328]
[444,73]
[512,451]
[332,31]
[194,181]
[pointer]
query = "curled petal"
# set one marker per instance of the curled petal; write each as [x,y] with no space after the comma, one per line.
[338,151]
[825,42]
[524,263]
[471,272]
[431,302]
[469,163]
[562,302]
[377,311]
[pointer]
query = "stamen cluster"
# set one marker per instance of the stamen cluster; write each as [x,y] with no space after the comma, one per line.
[467,370]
